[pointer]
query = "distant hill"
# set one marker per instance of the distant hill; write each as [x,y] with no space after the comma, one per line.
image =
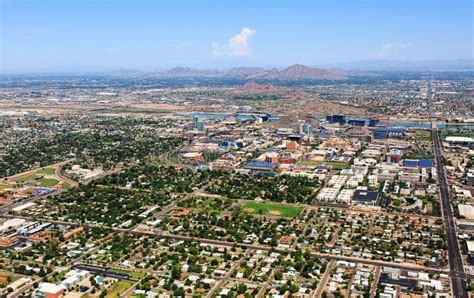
[294,72]
[243,71]
[299,71]
[184,72]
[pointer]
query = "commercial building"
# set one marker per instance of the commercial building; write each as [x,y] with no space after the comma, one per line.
[306,129]
[365,197]
[386,133]
[337,118]
[260,166]
[49,290]
[464,141]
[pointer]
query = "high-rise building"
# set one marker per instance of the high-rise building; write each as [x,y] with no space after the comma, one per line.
[306,129]
[200,126]
[339,118]
[195,121]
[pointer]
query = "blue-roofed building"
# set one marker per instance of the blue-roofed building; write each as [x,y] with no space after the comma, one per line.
[415,163]
[224,144]
[341,119]
[270,174]
[41,191]
[356,122]
[426,163]
[260,166]
[384,133]
[322,134]
[373,122]
[396,133]
[410,163]
[265,117]
[380,133]
[231,144]
[366,197]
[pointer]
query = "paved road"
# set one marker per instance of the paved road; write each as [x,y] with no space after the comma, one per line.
[406,266]
[226,277]
[375,283]
[30,285]
[324,279]
[455,259]
[456,268]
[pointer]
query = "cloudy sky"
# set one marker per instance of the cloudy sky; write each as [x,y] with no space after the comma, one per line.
[96,35]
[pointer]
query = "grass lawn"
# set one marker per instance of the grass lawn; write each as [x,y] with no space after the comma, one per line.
[418,155]
[133,274]
[118,288]
[27,178]
[47,182]
[337,165]
[173,159]
[272,209]
[334,165]
[207,205]
[310,163]
[423,135]
[58,277]
[65,186]
[3,186]
[48,171]
[455,133]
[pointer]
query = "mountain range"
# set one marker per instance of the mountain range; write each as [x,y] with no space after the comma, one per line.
[296,71]
[338,71]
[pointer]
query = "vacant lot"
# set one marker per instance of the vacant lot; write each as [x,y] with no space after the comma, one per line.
[119,288]
[271,209]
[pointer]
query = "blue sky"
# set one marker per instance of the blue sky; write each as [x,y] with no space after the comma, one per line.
[96,35]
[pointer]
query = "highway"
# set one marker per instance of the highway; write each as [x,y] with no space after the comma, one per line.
[456,269]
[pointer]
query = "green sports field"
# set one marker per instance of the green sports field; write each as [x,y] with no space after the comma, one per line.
[272,209]
[48,171]
[47,182]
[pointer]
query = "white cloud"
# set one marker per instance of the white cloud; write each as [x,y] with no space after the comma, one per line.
[391,49]
[238,45]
